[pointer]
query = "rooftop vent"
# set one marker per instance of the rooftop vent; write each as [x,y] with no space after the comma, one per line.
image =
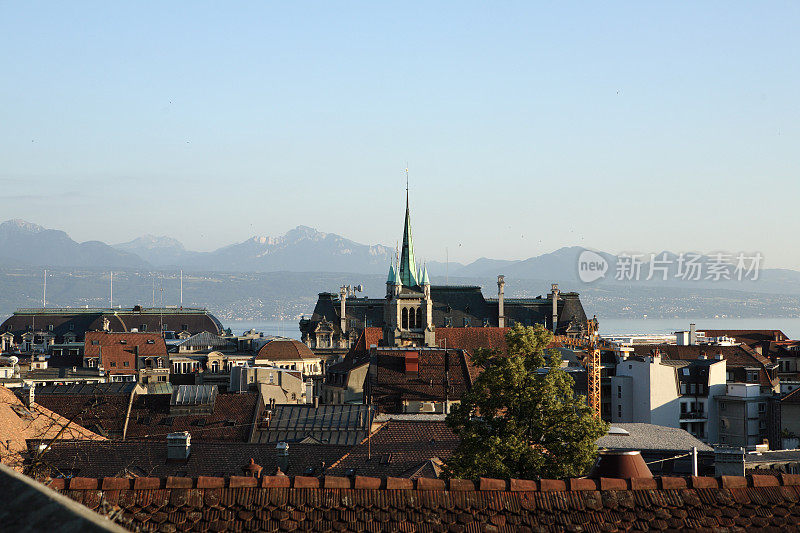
[618,431]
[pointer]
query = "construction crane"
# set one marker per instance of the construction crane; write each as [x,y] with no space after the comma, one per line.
[593,365]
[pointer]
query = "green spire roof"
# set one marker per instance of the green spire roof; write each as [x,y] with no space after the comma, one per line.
[392,277]
[425,280]
[408,270]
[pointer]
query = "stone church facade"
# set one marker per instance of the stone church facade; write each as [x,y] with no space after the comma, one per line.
[412,308]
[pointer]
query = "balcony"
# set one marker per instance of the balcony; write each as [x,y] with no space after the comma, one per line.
[694,415]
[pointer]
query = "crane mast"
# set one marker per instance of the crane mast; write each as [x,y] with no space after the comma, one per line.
[593,366]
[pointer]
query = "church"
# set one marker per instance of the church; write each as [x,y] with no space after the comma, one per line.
[413,308]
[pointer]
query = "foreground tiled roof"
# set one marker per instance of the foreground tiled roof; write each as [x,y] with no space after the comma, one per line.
[280,503]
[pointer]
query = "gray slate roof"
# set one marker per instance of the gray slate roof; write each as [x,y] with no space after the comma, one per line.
[648,437]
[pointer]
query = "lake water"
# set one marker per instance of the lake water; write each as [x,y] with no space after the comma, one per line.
[610,326]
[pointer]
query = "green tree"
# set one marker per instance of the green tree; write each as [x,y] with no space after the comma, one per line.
[521,418]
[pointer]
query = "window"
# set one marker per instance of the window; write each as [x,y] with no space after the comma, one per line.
[143,327]
[683,407]
[185,327]
[125,363]
[685,371]
[113,364]
[762,408]
[404,314]
[723,406]
[729,375]
[752,376]
[619,410]
[50,327]
[619,391]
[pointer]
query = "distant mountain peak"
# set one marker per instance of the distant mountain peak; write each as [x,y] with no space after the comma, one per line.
[149,242]
[24,225]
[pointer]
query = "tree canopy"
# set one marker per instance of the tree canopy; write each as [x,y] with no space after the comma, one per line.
[521,419]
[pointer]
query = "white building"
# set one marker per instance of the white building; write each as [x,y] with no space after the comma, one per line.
[678,394]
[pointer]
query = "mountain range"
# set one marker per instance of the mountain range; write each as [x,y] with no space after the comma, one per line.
[304,249]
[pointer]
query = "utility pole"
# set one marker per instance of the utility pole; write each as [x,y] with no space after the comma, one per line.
[44,291]
[181,287]
[111,297]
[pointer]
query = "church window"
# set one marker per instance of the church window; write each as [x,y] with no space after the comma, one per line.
[405,318]
[420,323]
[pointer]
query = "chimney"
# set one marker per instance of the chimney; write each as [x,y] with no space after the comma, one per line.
[554,292]
[251,469]
[282,449]
[501,285]
[179,445]
[316,402]
[343,309]
[620,465]
[30,398]
[692,334]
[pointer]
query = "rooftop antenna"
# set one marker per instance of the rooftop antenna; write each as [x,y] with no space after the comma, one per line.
[153,279]
[181,287]
[161,307]
[44,291]
[111,296]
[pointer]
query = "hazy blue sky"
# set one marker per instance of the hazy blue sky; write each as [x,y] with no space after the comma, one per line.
[527,127]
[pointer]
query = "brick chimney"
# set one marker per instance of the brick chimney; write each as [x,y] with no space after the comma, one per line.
[554,292]
[179,446]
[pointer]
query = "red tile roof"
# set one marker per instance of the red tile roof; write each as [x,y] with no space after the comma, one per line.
[283,503]
[150,415]
[399,448]
[120,348]
[18,423]
[441,374]
[285,350]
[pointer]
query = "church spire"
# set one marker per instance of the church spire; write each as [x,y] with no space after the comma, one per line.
[407,272]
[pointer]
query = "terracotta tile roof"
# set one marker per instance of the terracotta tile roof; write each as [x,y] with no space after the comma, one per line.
[368,337]
[150,417]
[121,348]
[283,503]
[399,449]
[471,338]
[285,350]
[149,458]
[748,336]
[18,423]
[441,374]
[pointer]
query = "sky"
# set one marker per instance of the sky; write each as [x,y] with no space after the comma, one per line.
[526,126]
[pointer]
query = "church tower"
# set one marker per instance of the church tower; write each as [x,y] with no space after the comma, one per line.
[408,312]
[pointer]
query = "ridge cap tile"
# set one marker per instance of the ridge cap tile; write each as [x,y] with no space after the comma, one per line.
[733,482]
